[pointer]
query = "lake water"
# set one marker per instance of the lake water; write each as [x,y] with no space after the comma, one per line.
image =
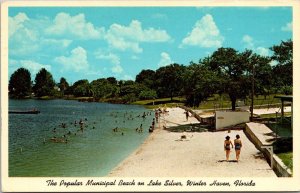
[92,151]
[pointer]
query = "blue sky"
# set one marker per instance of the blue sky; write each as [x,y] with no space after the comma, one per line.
[99,42]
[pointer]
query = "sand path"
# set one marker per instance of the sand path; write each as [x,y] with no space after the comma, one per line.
[163,154]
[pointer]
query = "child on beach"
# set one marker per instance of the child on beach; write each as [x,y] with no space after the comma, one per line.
[237,147]
[227,144]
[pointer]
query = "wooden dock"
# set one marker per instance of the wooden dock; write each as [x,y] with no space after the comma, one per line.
[24,112]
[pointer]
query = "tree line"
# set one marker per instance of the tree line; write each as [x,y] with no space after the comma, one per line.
[226,71]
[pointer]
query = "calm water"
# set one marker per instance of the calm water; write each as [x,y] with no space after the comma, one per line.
[95,151]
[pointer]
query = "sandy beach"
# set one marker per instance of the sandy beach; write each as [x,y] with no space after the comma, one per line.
[201,154]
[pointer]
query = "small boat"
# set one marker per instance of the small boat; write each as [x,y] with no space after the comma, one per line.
[34,111]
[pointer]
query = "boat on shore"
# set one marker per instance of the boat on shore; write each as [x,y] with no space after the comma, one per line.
[34,111]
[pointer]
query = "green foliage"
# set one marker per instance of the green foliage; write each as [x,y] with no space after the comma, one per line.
[146,77]
[130,87]
[283,53]
[104,88]
[232,68]
[199,83]
[169,80]
[82,88]
[63,85]
[129,98]
[20,83]
[287,90]
[283,71]
[147,94]
[44,84]
[287,159]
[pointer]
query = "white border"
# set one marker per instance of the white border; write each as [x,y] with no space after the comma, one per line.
[17,184]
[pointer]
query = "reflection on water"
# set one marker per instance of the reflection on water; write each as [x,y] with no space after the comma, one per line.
[55,143]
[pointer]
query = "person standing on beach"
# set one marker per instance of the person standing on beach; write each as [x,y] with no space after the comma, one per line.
[187,115]
[153,124]
[237,147]
[156,115]
[227,144]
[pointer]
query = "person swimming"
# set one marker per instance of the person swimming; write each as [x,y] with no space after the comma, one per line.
[150,129]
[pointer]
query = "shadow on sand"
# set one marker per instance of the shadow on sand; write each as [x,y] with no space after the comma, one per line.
[227,161]
[195,127]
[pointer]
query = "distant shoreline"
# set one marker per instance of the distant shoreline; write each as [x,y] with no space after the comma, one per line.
[79,99]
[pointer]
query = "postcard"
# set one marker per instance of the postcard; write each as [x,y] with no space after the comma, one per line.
[149,96]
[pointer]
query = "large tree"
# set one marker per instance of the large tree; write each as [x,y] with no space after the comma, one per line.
[82,88]
[283,70]
[104,88]
[20,83]
[231,67]
[169,80]
[262,74]
[44,83]
[146,77]
[63,85]
[199,83]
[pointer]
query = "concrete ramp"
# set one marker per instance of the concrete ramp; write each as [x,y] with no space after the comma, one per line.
[259,134]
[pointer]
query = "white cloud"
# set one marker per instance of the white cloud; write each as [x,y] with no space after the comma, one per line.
[117,69]
[127,77]
[23,42]
[250,44]
[204,34]
[64,24]
[287,27]
[263,51]
[128,37]
[15,23]
[248,40]
[122,44]
[27,37]
[57,42]
[76,61]
[113,58]
[273,63]
[165,59]
[33,67]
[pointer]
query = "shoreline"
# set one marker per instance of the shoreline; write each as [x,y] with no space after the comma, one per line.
[201,154]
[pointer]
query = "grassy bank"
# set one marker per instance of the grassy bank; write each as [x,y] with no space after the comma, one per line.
[156,103]
[287,159]
[214,102]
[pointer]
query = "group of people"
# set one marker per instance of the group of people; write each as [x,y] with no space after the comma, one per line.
[237,146]
[64,138]
[155,120]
